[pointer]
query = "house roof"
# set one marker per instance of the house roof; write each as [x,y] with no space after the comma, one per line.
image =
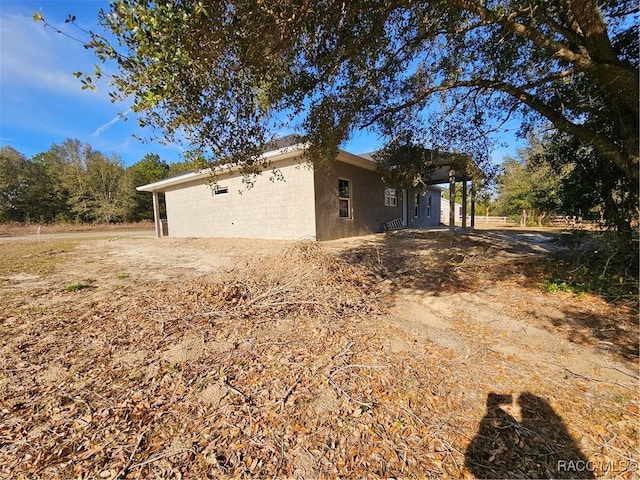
[281,142]
[285,149]
[291,146]
[463,164]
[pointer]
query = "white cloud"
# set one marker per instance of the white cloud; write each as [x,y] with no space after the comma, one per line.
[41,102]
[35,57]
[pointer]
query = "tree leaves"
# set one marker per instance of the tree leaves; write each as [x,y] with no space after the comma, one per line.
[273,387]
[529,186]
[228,75]
[73,182]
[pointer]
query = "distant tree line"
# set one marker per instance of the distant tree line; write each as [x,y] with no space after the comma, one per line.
[72,182]
[557,175]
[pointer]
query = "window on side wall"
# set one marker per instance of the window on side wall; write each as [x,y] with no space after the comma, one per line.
[344,198]
[416,205]
[390,198]
[429,206]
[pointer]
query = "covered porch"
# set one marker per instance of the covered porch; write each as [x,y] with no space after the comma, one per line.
[457,171]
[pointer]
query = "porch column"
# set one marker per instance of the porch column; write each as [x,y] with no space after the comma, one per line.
[405,208]
[156,215]
[464,204]
[473,205]
[452,202]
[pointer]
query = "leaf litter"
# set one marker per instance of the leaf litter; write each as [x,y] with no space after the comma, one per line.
[289,365]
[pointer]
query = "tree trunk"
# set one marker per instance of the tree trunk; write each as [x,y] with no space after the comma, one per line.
[541,217]
[523,219]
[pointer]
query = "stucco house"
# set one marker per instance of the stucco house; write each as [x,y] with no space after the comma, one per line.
[306,203]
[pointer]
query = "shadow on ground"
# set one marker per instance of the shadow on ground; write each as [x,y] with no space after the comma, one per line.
[435,264]
[537,446]
[618,335]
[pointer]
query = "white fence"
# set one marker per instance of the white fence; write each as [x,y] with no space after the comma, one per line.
[484,219]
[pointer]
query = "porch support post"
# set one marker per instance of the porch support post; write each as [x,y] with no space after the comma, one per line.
[156,215]
[464,204]
[473,205]
[405,208]
[452,202]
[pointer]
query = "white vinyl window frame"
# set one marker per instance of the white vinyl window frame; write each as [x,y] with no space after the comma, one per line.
[390,197]
[416,205]
[345,211]
[428,206]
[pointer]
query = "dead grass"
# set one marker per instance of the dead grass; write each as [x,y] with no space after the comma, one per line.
[14,229]
[299,280]
[288,365]
[33,258]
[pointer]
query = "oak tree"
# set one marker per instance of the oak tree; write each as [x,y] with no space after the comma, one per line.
[529,188]
[150,168]
[227,75]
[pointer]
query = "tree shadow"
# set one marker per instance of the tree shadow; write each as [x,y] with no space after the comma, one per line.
[538,446]
[618,336]
[436,264]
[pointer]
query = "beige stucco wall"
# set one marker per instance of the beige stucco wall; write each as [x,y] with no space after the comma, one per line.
[273,209]
[367,201]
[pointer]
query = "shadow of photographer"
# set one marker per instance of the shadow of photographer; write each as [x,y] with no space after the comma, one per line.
[537,446]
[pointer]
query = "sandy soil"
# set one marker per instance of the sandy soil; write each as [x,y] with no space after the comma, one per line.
[472,301]
[501,316]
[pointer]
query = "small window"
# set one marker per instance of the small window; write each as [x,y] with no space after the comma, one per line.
[416,205]
[218,190]
[344,198]
[390,198]
[429,206]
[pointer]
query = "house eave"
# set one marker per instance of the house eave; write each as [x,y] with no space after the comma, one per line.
[162,185]
[274,156]
[356,160]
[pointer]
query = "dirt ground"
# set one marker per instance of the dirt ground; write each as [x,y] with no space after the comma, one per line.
[13,230]
[406,355]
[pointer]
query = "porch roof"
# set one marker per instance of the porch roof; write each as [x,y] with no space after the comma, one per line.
[463,165]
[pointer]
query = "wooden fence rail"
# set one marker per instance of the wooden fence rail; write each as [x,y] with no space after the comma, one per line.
[484,219]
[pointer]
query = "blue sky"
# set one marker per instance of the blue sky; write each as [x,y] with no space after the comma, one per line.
[41,103]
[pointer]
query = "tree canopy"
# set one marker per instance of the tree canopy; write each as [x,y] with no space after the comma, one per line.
[555,175]
[228,75]
[73,182]
[528,187]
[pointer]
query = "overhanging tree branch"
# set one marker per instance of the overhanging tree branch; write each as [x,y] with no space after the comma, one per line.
[617,80]
[604,145]
[224,76]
